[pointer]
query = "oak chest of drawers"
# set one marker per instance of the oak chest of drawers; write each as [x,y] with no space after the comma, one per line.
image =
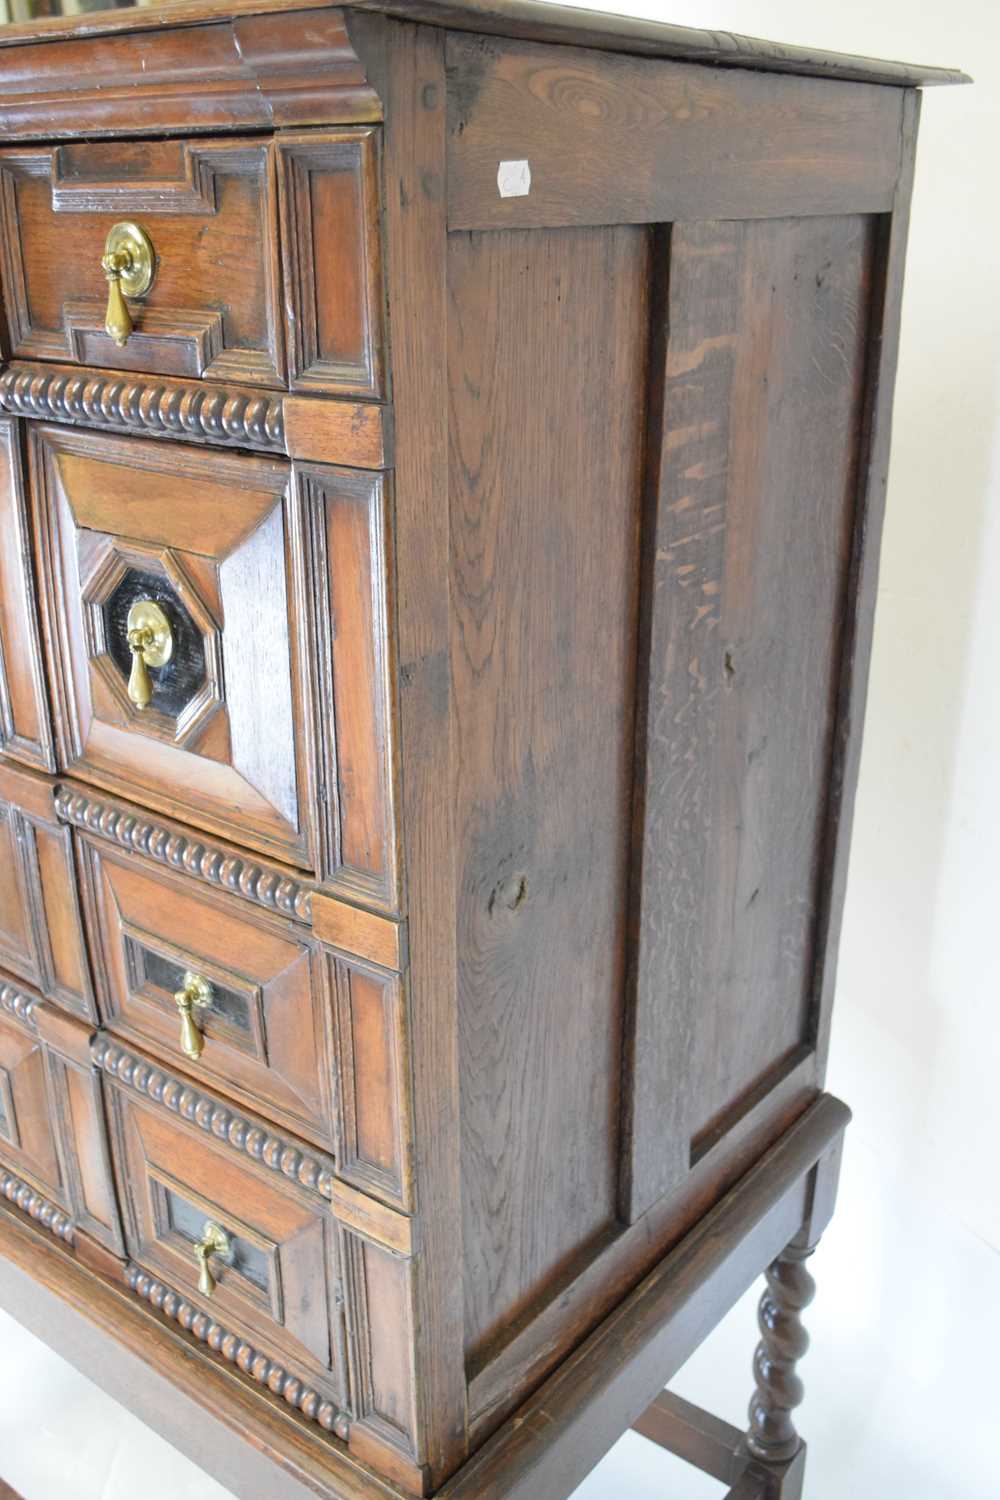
[442,456]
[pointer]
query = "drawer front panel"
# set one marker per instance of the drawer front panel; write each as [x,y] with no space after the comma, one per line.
[54,1158]
[262,1021]
[27,1133]
[41,929]
[214,543]
[275,1277]
[25,732]
[329,184]
[209,211]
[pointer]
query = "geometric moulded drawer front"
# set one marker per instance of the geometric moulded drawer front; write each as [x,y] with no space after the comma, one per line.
[41,929]
[258,1023]
[217,640]
[177,656]
[248,1240]
[272,1276]
[54,1161]
[208,210]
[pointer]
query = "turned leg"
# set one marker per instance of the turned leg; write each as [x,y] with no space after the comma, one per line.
[772,1437]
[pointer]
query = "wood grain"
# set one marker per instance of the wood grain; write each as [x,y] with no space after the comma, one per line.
[406,64]
[248,71]
[210,209]
[361,933]
[873,475]
[567,1426]
[267,1042]
[331,244]
[768,325]
[545,540]
[352,545]
[571,26]
[41,925]
[25,730]
[700,143]
[204,1405]
[224,536]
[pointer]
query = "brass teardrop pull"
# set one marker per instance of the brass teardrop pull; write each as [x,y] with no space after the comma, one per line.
[214,1241]
[197,993]
[128,263]
[151,642]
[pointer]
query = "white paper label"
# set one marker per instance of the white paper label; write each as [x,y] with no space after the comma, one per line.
[514,179]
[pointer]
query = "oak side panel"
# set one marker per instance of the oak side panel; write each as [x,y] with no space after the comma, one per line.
[859,625]
[25,731]
[765,366]
[548,348]
[626,140]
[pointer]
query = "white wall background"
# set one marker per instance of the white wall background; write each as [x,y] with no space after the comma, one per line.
[904,1398]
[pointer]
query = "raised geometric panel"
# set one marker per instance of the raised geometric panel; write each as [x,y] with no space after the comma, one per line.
[187,689]
[215,544]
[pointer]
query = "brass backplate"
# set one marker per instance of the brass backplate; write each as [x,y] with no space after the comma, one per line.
[136,275]
[146,615]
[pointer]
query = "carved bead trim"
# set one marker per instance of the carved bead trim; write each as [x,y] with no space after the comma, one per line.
[145,404]
[225,1124]
[28,1201]
[239,1352]
[17,1004]
[228,871]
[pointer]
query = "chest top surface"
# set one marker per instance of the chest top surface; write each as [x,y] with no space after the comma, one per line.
[535,20]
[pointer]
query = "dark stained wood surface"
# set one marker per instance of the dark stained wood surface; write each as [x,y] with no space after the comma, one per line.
[210,210]
[768,323]
[330,196]
[336,432]
[233,582]
[406,63]
[517,833]
[252,72]
[698,143]
[567,1426]
[266,1041]
[545,537]
[25,730]
[41,930]
[873,476]
[569,25]
[538,21]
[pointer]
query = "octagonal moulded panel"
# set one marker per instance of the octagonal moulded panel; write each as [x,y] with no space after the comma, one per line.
[187,690]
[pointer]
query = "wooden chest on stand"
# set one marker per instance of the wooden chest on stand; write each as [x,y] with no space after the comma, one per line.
[442,457]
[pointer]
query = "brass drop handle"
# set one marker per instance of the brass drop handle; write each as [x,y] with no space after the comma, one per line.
[128,262]
[214,1241]
[197,994]
[151,642]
